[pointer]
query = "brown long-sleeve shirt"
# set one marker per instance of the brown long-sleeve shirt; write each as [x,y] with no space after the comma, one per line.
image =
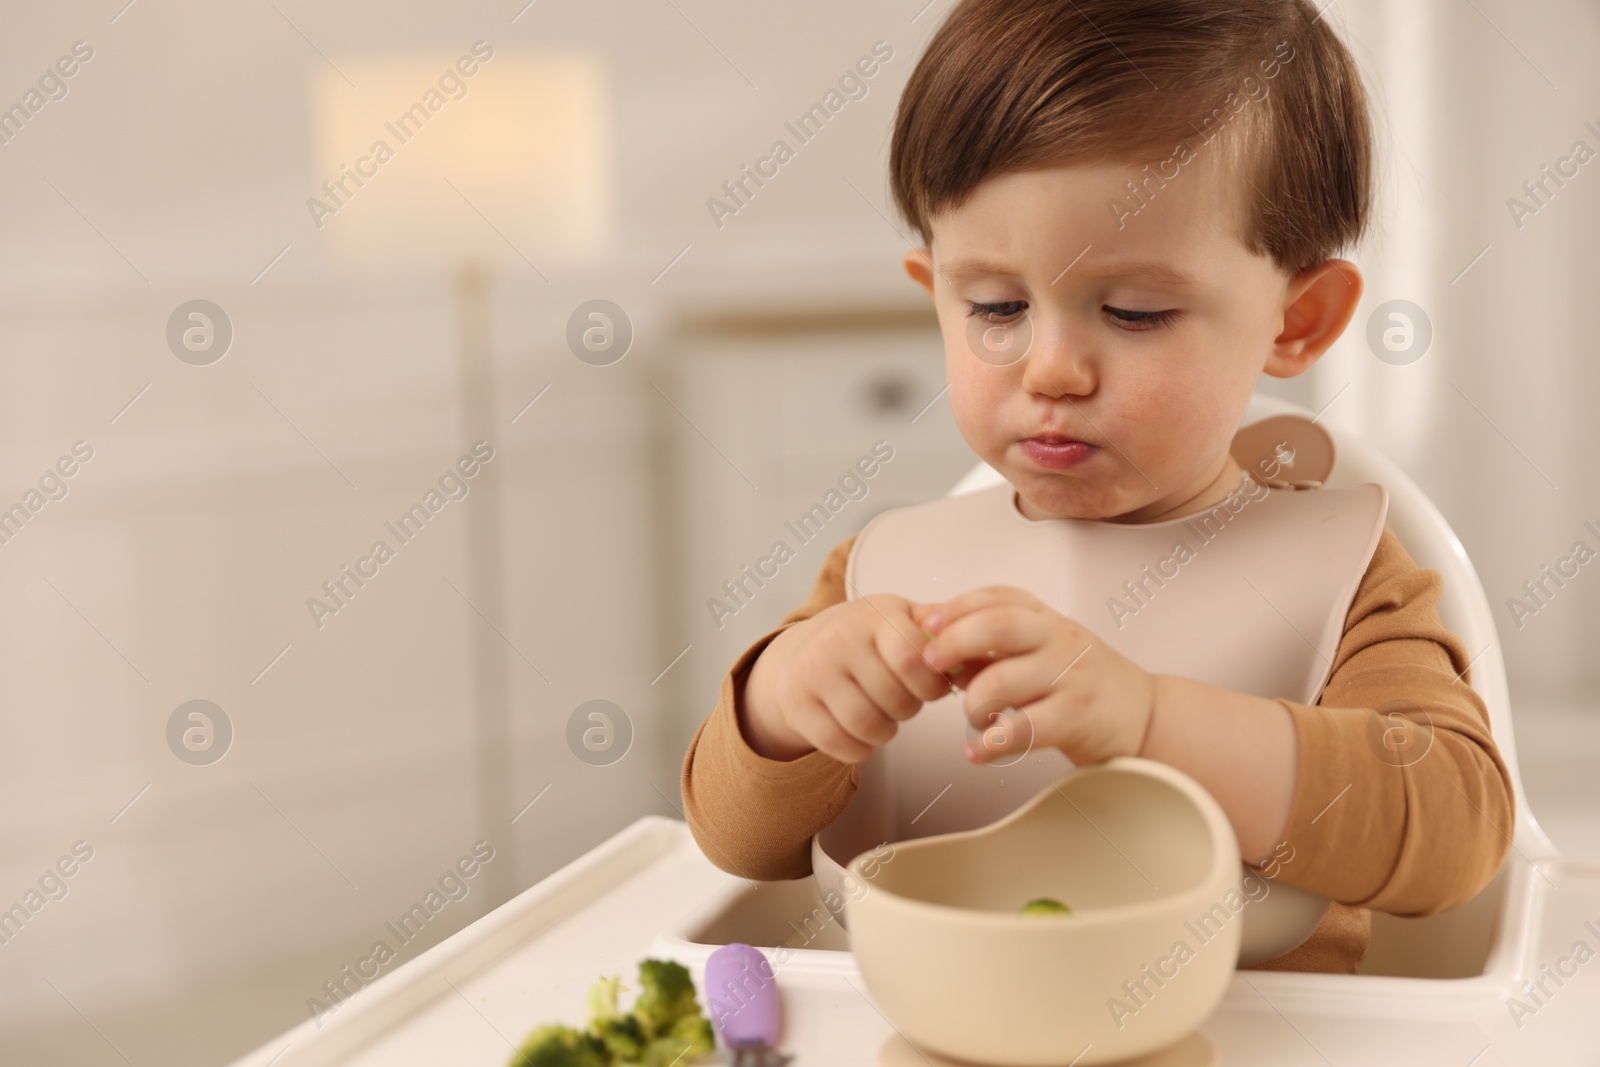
[1409,837]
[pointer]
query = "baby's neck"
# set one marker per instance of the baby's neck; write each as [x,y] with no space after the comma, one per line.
[1213,493]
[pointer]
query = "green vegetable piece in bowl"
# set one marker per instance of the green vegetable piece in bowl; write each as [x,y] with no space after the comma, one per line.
[1045,906]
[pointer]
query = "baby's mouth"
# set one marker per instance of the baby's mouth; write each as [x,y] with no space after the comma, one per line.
[1056,451]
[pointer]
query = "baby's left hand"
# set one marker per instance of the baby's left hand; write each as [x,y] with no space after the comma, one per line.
[1077,693]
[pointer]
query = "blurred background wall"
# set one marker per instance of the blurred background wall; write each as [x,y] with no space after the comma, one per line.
[352,354]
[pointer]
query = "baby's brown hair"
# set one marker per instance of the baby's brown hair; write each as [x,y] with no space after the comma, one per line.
[1011,85]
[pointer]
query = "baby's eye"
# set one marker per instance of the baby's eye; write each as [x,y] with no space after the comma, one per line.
[1006,311]
[1141,320]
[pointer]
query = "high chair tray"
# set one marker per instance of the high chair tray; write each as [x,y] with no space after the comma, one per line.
[648,891]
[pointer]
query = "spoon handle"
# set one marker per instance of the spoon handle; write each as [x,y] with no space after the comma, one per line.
[742,996]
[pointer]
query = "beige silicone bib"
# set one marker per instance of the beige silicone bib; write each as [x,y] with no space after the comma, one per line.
[1251,596]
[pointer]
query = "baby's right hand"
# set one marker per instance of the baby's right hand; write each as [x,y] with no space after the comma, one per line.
[842,680]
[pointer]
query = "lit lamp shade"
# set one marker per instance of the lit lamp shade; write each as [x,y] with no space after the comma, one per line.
[484,153]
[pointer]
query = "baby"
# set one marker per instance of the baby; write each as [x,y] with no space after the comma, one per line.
[1129,210]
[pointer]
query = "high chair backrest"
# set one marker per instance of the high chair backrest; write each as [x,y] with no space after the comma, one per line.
[1463,606]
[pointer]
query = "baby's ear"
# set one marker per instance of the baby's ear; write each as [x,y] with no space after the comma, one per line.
[919,264]
[1319,304]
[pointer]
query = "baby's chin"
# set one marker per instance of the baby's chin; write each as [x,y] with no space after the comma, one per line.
[1048,501]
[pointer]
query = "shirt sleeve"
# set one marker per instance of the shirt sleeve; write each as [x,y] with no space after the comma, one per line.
[753,816]
[1402,802]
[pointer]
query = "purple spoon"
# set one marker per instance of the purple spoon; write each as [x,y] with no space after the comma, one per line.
[742,997]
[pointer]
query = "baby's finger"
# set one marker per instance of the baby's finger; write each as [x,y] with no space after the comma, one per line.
[938,616]
[882,687]
[1003,735]
[855,712]
[903,657]
[811,719]
[1004,630]
[965,673]
[1014,681]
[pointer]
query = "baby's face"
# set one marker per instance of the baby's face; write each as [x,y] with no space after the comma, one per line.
[1142,379]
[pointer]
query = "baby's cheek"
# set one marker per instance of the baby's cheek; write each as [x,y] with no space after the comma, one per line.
[1169,420]
[975,411]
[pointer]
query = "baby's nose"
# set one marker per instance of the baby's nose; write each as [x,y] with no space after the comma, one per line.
[1057,366]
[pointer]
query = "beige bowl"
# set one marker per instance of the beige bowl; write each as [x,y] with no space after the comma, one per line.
[1147,861]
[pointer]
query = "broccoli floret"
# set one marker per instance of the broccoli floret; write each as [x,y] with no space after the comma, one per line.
[667,1051]
[622,1036]
[561,1046]
[663,1052]
[689,1037]
[666,994]
[694,1031]
[664,1027]
[603,1000]
[1045,906]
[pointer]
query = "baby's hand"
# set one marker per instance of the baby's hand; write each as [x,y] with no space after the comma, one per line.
[1076,693]
[846,682]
